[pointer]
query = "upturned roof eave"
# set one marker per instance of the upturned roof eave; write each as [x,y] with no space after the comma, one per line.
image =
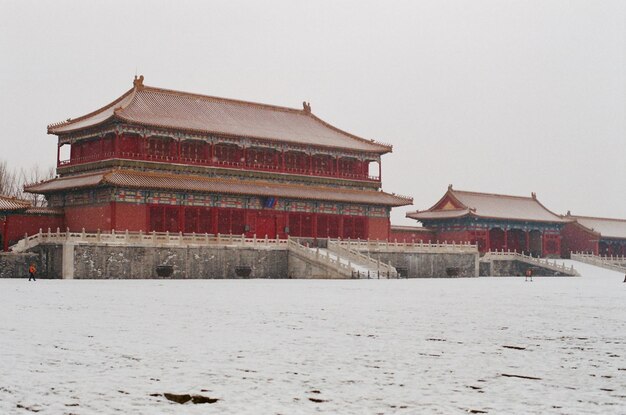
[105,180]
[54,127]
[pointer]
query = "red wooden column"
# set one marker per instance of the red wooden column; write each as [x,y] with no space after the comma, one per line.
[211,152]
[116,144]
[178,145]
[144,147]
[310,163]
[314,226]
[214,219]
[506,240]
[337,166]
[113,213]
[282,160]
[341,226]
[5,234]
[528,241]
[181,218]
[58,154]
[380,171]
[487,241]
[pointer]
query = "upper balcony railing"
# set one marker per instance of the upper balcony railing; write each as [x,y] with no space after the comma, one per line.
[279,167]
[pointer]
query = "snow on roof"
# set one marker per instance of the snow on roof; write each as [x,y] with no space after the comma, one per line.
[156,107]
[489,205]
[12,204]
[506,207]
[607,227]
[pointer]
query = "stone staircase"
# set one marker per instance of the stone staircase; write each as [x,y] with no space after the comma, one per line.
[336,261]
[364,265]
[613,263]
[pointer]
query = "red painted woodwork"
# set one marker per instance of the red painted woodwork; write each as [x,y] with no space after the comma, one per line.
[516,241]
[328,226]
[612,247]
[165,218]
[551,245]
[480,238]
[164,149]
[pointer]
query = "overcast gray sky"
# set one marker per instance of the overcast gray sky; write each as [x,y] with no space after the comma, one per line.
[495,96]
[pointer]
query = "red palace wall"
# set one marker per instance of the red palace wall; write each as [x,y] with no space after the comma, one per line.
[18,225]
[91,218]
[129,216]
[452,236]
[378,228]
[578,239]
[411,236]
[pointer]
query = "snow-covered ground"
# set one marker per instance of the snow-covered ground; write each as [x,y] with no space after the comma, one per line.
[421,346]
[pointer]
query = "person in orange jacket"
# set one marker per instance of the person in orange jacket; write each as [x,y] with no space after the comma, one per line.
[32,270]
[529,274]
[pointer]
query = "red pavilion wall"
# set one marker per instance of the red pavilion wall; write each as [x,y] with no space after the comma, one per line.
[131,217]
[577,239]
[410,236]
[91,218]
[452,236]
[378,228]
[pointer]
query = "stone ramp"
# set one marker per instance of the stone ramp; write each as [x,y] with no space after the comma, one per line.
[613,263]
[540,266]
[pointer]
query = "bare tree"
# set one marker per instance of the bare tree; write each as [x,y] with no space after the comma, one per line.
[12,182]
[9,185]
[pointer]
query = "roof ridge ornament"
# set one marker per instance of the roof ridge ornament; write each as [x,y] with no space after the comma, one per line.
[138,82]
[450,187]
[533,195]
[306,107]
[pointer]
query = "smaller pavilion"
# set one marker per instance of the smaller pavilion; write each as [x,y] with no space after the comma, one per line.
[494,222]
[600,236]
[19,217]
[9,206]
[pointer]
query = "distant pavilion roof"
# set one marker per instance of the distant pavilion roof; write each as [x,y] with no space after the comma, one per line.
[458,204]
[163,108]
[11,204]
[606,227]
[191,183]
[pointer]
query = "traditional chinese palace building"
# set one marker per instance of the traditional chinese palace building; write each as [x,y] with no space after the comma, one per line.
[494,222]
[163,160]
[600,236]
[19,217]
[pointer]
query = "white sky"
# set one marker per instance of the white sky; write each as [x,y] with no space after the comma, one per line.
[495,96]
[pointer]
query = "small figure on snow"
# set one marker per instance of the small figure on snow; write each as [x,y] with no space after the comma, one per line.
[32,270]
[624,278]
[529,274]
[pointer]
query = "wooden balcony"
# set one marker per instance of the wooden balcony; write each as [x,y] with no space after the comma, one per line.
[278,167]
